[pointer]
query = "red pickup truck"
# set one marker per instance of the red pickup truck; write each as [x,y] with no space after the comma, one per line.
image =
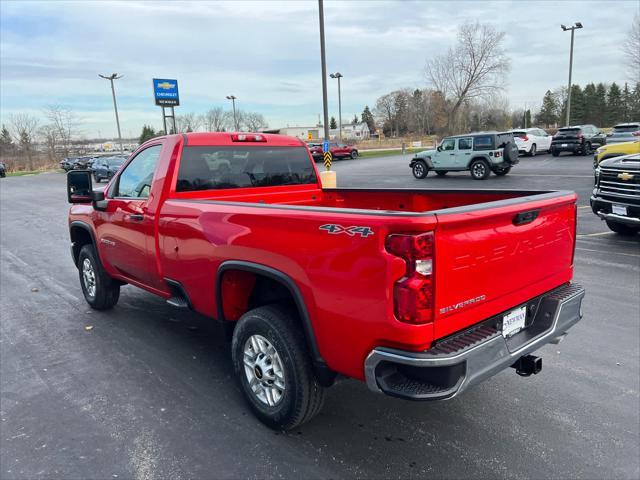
[338,150]
[421,294]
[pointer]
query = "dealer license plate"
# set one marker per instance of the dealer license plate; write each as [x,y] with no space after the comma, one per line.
[513,321]
[565,144]
[619,210]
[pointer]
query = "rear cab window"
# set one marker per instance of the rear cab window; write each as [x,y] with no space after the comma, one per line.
[626,128]
[224,167]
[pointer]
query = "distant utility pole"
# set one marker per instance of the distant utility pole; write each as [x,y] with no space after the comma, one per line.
[111,78]
[323,61]
[338,75]
[235,119]
[573,28]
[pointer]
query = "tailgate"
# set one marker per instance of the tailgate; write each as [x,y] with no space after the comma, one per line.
[491,257]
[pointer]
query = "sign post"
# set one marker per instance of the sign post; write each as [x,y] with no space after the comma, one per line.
[165,93]
[328,177]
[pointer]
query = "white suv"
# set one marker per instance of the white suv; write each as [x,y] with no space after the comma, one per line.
[532,140]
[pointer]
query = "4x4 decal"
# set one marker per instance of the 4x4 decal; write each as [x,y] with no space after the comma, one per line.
[351,231]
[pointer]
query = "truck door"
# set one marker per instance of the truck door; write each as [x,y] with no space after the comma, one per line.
[463,153]
[126,236]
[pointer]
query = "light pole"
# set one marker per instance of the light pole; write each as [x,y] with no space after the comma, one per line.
[111,78]
[233,100]
[323,62]
[338,75]
[573,29]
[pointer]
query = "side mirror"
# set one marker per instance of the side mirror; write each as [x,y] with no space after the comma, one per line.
[439,148]
[79,186]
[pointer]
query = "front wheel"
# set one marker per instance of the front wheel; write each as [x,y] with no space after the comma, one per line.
[100,291]
[479,170]
[621,228]
[354,154]
[420,170]
[273,366]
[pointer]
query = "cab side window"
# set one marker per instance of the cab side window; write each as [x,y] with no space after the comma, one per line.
[483,143]
[465,144]
[135,180]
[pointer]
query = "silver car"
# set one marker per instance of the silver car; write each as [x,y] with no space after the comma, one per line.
[624,132]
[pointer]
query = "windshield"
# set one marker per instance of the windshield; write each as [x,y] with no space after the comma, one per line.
[206,168]
[519,134]
[568,130]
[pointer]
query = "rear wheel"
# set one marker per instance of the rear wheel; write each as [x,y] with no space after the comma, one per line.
[502,171]
[441,173]
[621,228]
[274,369]
[479,170]
[555,152]
[533,151]
[96,178]
[100,291]
[420,170]
[586,150]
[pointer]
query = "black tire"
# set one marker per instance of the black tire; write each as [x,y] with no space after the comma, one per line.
[420,170]
[354,154]
[479,170]
[533,151]
[441,173]
[586,149]
[621,228]
[302,397]
[106,291]
[501,172]
[555,152]
[96,178]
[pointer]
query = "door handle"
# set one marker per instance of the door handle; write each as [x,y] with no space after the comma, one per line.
[136,217]
[525,217]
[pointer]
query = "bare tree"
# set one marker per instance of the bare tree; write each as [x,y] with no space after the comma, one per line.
[474,68]
[189,122]
[49,135]
[254,121]
[632,50]
[217,120]
[23,128]
[64,122]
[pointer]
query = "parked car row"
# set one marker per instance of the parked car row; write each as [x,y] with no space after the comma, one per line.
[102,168]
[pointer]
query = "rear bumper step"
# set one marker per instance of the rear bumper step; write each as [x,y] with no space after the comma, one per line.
[469,357]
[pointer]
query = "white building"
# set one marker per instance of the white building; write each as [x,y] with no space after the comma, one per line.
[352,131]
[303,133]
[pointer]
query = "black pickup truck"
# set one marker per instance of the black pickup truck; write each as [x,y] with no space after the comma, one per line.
[616,195]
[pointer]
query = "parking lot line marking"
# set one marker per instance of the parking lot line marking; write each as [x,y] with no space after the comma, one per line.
[546,175]
[584,206]
[594,234]
[614,253]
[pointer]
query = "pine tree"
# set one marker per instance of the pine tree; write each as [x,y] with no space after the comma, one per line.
[576,115]
[635,104]
[600,105]
[332,123]
[147,133]
[526,118]
[547,115]
[367,117]
[614,105]
[6,143]
[626,103]
[589,94]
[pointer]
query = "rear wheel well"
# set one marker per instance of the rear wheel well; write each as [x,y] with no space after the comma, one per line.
[80,237]
[246,288]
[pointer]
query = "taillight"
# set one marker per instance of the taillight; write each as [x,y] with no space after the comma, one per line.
[498,154]
[580,136]
[247,137]
[525,138]
[413,294]
[636,134]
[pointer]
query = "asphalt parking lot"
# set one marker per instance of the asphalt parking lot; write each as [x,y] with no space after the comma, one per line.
[148,391]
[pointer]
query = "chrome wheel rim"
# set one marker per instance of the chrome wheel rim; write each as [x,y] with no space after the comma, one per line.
[478,170]
[89,277]
[264,371]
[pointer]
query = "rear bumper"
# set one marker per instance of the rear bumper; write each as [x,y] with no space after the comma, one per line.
[467,358]
[570,147]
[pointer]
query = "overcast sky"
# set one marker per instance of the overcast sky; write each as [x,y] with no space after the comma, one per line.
[267,53]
